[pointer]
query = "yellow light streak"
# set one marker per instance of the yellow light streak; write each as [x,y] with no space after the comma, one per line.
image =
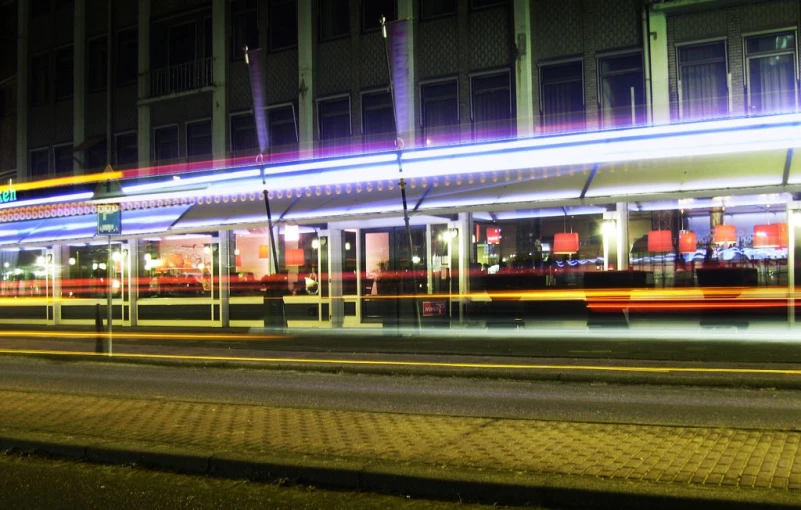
[426,364]
[66,181]
[143,335]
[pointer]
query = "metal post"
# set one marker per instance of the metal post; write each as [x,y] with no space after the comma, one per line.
[110,289]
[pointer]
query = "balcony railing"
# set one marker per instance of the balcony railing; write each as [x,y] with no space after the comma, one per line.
[181,77]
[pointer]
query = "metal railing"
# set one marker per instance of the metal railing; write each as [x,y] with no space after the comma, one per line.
[182,77]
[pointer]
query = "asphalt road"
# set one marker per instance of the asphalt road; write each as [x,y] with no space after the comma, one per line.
[477,397]
[36,482]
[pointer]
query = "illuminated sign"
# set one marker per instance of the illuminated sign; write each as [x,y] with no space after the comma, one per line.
[109,219]
[8,195]
[493,235]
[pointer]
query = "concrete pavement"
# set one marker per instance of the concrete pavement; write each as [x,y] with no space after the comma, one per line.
[553,464]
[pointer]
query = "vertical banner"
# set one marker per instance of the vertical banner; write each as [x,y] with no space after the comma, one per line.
[402,94]
[258,92]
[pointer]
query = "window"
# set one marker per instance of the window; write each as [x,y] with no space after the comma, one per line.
[39,163]
[374,9]
[562,97]
[333,119]
[62,156]
[8,100]
[64,4]
[440,108]
[378,120]
[64,73]
[771,72]
[283,19]
[182,44]
[243,133]
[40,8]
[127,56]
[208,38]
[282,125]
[703,89]
[244,28]
[40,79]
[98,64]
[435,8]
[621,90]
[198,138]
[165,146]
[96,155]
[491,106]
[334,18]
[127,150]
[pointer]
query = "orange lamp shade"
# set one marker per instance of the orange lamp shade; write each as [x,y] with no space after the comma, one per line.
[294,257]
[724,234]
[688,242]
[264,251]
[566,243]
[660,241]
[770,236]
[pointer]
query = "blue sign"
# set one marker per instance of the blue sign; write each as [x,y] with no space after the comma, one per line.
[109,219]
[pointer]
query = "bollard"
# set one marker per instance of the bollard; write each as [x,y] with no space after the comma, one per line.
[98,330]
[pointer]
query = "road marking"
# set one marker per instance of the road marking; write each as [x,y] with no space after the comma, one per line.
[424,364]
[168,336]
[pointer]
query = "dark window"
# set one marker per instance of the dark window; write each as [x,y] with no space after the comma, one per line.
[62,156]
[64,4]
[436,8]
[96,156]
[165,145]
[378,120]
[243,133]
[98,64]
[562,97]
[40,8]
[622,91]
[39,163]
[198,138]
[208,38]
[334,18]
[492,106]
[703,88]
[373,10]
[244,27]
[333,118]
[182,44]
[127,56]
[440,109]
[127,150]
[283,17]
[771,73]
[8,100]
[282,125]
[481,4]
[40,79]
[64,73]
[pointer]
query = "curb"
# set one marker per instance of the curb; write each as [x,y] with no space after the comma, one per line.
[417,480]
[602,375]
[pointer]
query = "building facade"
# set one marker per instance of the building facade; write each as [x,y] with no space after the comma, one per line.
[164,88]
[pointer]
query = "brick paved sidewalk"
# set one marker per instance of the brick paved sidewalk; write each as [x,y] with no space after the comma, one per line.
[757,464]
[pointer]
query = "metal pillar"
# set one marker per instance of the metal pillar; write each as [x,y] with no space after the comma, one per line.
[143,135]
[305,77]
[23,27]
[79,81]
[224,272]
[615,232]
[337,305]
[408,133]
[133,279]
[219,115]
[657,66]
[464,241]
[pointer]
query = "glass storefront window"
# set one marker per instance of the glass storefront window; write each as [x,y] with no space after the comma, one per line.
[24,273]
[86,271]
[179,266]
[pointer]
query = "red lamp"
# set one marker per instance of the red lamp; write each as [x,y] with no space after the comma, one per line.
[688,242]
[770,236]
[294,257]
[493,235]
[660,241]
[566,243]
[724,234]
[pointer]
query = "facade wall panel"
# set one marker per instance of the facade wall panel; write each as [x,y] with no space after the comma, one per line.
[282,77]
[96,17]
[490,38]
[373,62]
[333,67]
[437,48]
[238,84]
[125,116]
[41,126]
[62,121]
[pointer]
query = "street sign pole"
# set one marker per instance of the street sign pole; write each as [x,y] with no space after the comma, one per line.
[109,223]
[110,289]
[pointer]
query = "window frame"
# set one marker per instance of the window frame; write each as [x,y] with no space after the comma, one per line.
[248,12]
[446,14]
[554,63]
[369,92]
[211,136]
[30,162]
[487,74]
[269,122]
[58,146]
[320,36]
[270,5]
[337,97]
[117,146]
[599,82]
[45,88]
[194,40]
[438,81]
[747,59]
[241,113]
[490,5]
[154,148]
[702,42]
[134,30]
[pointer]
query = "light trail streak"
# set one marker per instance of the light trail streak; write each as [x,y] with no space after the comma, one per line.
[135,335]
[429,364]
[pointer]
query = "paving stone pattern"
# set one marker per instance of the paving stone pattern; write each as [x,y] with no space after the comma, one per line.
[679,455]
